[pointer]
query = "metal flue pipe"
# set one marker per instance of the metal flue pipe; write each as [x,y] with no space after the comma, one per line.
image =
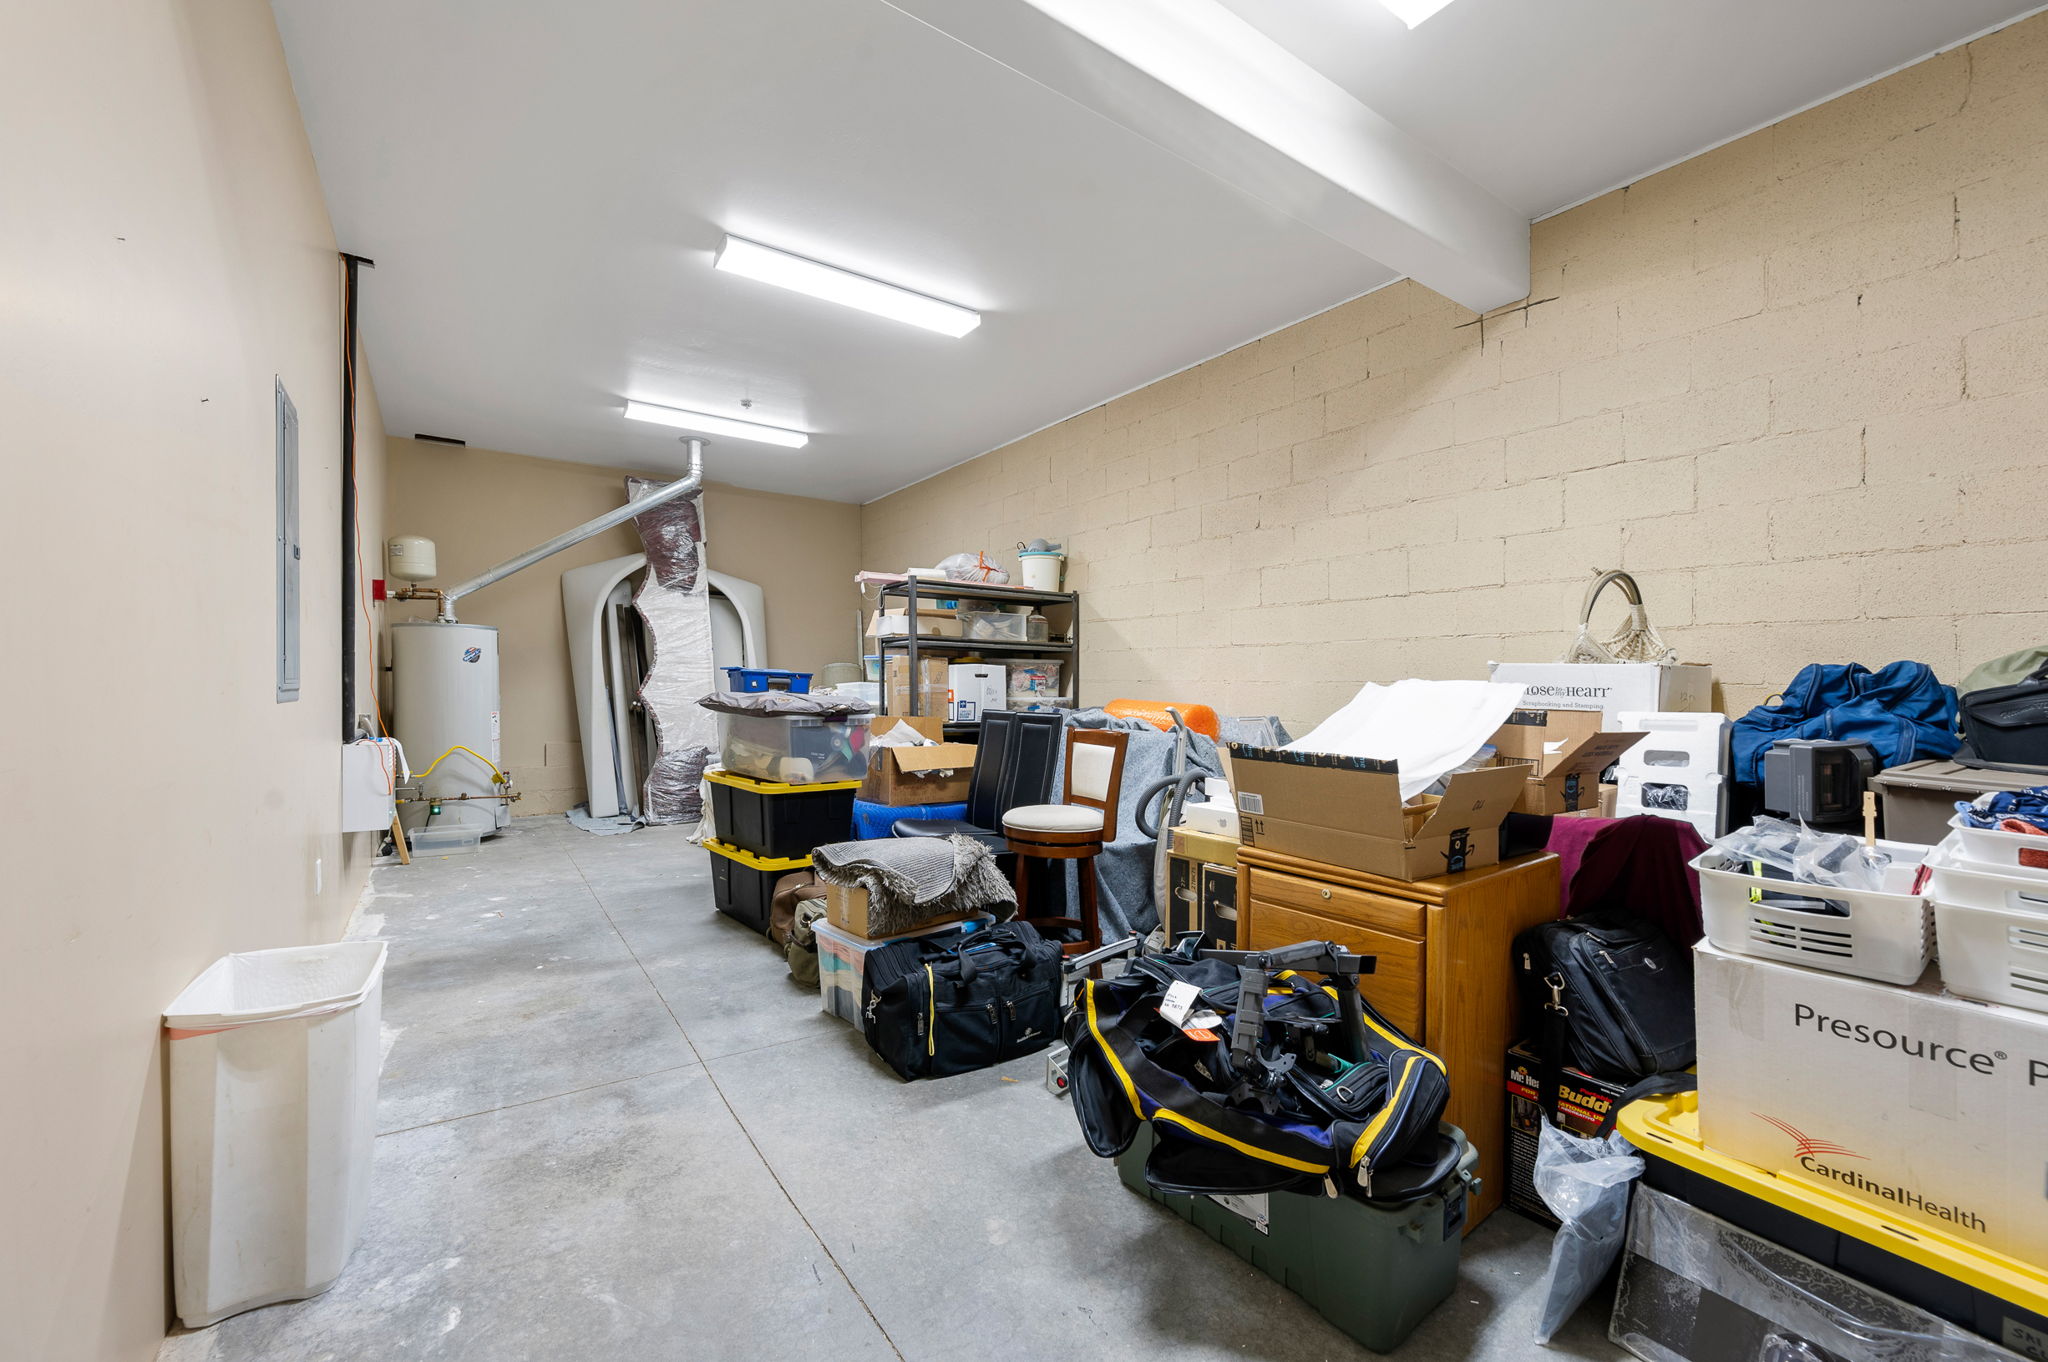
[681,487]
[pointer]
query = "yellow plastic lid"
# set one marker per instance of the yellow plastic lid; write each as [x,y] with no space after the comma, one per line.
[740,782]
[748,858]
[1669,1128]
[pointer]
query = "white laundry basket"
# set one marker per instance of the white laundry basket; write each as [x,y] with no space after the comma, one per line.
[273,1099]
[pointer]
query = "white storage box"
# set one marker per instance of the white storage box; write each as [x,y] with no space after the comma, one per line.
[2020,852]
[1994,955]
[1679,744]
[273,1105]
[1613,688]
[977,688]
[1928,1106]
[1886,935]
[842,960]
[1958,879]
[1698,800]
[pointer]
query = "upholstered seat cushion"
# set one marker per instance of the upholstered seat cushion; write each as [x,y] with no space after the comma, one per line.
[1053,818]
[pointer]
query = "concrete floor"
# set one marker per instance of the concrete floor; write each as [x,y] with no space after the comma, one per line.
[613,1128]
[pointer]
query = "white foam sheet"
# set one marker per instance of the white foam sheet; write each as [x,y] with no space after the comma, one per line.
[1428,727]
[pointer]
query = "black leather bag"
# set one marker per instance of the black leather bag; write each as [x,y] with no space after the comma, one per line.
[963,1003]
[1613,998]
[2007,725]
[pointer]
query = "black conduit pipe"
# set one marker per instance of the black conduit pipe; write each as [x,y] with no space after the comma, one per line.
[348,494]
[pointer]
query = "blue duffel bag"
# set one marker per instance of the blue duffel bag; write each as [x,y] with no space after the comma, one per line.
[1902,710]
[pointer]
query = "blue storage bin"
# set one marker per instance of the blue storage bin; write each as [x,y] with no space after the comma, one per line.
[751,680]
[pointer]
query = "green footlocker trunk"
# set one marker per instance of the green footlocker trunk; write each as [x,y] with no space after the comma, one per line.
[1373,1271]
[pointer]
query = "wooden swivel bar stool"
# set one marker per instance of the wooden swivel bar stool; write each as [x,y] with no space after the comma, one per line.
[1075,829]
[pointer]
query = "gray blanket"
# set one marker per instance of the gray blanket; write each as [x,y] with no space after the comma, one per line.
[911,880]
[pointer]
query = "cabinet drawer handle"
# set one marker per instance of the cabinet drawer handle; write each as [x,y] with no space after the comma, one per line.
[1326,893]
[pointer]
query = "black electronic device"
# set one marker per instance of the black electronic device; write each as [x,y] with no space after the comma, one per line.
[1819,781]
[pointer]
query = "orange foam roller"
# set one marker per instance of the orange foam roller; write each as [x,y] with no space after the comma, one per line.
[1199,718]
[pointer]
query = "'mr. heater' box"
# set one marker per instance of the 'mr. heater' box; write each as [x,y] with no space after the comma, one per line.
[1582,1103]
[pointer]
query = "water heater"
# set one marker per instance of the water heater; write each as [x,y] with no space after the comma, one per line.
[444,682]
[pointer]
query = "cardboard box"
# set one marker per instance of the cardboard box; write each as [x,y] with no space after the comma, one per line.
[1569,749]
[847,909]
[1605,808]
[1929,1106]
[902,776]
[1582,1103]
[975,688]
[1611,687]
[1348,813]
[931,684]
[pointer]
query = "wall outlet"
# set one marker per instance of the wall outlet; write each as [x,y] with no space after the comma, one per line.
[318,866]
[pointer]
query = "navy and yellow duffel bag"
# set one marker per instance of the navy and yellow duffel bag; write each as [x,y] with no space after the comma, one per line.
[1300,1086]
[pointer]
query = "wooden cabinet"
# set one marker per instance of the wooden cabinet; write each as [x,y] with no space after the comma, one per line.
[1443,972]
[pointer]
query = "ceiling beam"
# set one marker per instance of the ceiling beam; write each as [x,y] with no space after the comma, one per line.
[1198,81]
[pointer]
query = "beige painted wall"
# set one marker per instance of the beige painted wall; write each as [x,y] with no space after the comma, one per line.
[164,253]
[1798,385]
[481,506]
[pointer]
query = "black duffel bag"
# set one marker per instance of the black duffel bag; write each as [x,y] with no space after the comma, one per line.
[1613,998]
[2007,726]
[963,1003]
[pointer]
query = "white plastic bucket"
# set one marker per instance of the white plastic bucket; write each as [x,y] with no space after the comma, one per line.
[1041,571]
[273,1101]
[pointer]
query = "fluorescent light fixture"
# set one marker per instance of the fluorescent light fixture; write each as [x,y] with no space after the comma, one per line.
[706,424]
[1413,12]
[834,285]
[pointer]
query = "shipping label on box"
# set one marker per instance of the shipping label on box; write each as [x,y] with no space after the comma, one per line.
[1611,687]
[1926,1105]
[1347,811]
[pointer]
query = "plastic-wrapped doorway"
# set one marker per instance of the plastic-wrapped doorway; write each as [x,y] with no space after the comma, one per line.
[674,602]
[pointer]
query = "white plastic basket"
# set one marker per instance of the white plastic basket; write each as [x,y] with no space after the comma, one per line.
[2000,850]
[1994,955]
[1873,934]
[1962,880]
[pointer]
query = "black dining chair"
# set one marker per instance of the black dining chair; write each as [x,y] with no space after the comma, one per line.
[1014,763]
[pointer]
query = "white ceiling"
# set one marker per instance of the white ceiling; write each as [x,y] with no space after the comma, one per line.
[542,186]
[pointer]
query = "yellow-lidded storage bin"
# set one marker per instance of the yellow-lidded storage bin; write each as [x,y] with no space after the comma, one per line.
[1997,1296]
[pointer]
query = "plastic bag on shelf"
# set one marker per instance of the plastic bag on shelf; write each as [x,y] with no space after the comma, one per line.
[1585,1183]
[974,567]
[1835,859]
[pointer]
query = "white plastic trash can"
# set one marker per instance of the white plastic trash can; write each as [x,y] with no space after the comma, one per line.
[273,1102]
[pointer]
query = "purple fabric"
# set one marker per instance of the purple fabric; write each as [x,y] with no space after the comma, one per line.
[1637,865]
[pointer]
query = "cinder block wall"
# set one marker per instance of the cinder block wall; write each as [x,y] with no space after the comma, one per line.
[1798,385]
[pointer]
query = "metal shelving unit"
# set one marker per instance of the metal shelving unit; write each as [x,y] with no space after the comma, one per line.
[914,589]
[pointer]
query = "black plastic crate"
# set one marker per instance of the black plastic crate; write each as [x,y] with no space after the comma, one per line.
[743,884]
[780,821]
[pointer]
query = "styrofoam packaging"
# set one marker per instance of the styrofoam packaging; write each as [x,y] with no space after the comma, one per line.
[1699,800]
[2017,852]
[1993,954]
[273,1103]
[1958,879]
[1613,688]
[1680,744]
[1872,934]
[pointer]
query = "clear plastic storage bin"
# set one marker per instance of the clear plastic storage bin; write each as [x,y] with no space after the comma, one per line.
[794,750]
[994,626]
